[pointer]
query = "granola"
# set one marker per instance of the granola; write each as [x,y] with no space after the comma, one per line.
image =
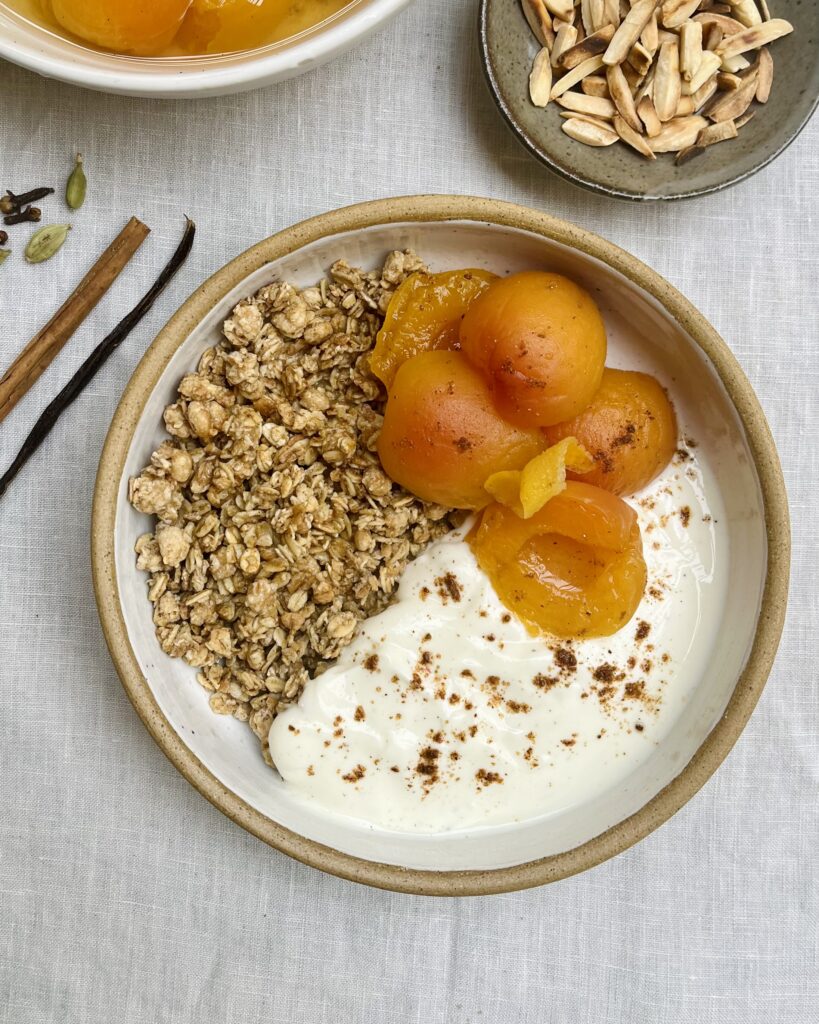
[277,532]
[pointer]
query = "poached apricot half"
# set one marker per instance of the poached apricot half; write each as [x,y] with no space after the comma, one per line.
[575,568]
[425,314]
[629,429]
[540,341]
[442,437]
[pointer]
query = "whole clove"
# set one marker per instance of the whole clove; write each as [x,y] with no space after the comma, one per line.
[4,237]
[21,200]
[31,214]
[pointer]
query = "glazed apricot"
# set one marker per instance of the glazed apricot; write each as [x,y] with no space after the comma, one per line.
[425,314]
[629,429]
[142,27]
[442,438]
[575,569]
[541,342]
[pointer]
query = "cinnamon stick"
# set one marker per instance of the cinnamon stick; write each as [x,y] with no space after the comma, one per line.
[47,343]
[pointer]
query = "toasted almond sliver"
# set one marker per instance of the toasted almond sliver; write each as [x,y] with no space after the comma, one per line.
[540,78]
[573,114]
[597,106]
[650,37]
[588,133]
[675,12]
[629,31]
[766,14]
[611,12]
[591,46]
[729,26]
[678,134]
[709,65]
[564,40]
[728,82]
[539,21]
[735,64]
[647,86]
[633,79]
[595,85]
[755,37]
[747,12]
[732,105]
[685,106]
[586,17]
[648,115]
[667,84]
[704,94]
[690,48]
[633,138]
[588,67]
[597,13]
[712,36]
[563,9]
[746,117]
[623,100]
[717,133]
[640,58]
[765,71]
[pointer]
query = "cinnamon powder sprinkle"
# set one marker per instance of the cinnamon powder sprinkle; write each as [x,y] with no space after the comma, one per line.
[356,775]
[371,663]
[486,778]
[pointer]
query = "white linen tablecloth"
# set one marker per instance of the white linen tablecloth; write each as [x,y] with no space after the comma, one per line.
[124,896]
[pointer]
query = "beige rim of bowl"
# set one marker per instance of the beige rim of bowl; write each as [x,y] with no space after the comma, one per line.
[388,876]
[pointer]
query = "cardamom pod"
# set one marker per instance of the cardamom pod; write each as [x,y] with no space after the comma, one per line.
[4,255]
[76,186]
[45,242]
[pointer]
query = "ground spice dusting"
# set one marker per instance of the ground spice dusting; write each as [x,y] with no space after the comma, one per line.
[356,775]
[544,682]
[486,778]
[685,515]
[448,587]
[359,715]
[566,659]
[643,629]
[517,708]
[371,663]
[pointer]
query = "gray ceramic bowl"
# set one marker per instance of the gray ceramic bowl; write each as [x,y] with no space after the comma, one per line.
[508,48]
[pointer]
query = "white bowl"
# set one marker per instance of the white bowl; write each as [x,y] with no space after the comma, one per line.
[650,326]
[47,53]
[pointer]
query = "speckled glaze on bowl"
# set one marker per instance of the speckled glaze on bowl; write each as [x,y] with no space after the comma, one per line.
[220,756]
[508,48]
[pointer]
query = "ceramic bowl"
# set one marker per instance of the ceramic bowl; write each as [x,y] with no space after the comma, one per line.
[47,53]
[650,325]
[508,48]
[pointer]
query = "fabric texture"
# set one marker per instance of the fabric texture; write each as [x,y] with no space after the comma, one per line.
[124,896]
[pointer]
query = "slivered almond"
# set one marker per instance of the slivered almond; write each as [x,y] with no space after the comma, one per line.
[629,31]
[685,106]
[647,87]
[597,106]
[728,82]
[594,85]
[611,12]
[588,67]
[765,69]
[633,79]
[650,37]
[710,64]
[633,138]
[591,46]
[766,14]
[648,115]
[539,21]
[755,37]
[564,40]
[586,16]
[640,58]
[623,100]
[589,134]
[540,78]
[732,105]
[747,12]
[667,84]
[704,94]
[709,136]
[729,26]
[712,36]
[690,48]
[597,13]
[675,12]
[678,134]
[746,117]
[733,65]
[563,9]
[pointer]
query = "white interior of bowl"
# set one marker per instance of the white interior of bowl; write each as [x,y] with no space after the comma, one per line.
[49,54]
[642,335]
